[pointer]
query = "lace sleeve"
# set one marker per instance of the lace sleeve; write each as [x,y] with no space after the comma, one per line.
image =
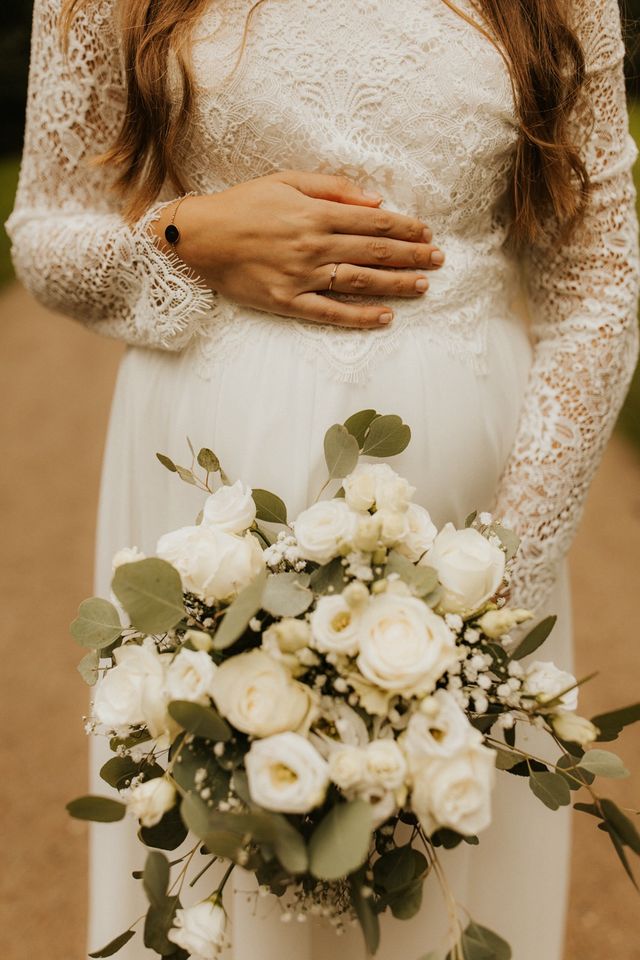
[71,246]
[583,304]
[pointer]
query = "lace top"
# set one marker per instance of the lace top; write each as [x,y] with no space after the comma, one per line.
[411,100]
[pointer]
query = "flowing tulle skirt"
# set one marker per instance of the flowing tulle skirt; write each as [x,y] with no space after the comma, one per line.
[265,415]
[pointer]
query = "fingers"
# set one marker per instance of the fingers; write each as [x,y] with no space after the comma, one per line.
[368,281]
[321,309]
[327,187]
[376,223]
[383,252]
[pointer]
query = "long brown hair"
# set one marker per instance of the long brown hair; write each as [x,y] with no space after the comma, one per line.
[546,65]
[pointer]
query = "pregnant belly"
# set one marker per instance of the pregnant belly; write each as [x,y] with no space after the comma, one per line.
[266,411]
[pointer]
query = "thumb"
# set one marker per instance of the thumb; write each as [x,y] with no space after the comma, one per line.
[324,186]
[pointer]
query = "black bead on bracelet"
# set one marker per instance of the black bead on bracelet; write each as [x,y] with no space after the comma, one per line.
[171,233]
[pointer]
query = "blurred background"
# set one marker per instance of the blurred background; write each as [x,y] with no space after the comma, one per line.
[55,387]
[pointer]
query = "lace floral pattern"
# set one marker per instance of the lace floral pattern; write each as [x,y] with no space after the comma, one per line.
[410,99]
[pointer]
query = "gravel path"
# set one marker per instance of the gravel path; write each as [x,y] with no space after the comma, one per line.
[57,379]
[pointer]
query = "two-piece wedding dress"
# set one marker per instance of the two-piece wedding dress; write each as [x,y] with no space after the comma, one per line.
[411,100]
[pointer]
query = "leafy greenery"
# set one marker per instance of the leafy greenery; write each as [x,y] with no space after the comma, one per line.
[340,843]
[150,590]
[98,809]
[9,167]
[199,720]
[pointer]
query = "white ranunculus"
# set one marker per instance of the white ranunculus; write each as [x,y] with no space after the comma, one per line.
[150,800]
[420,534]
[347,767]
[574,729]
[286,773]
[545,681]
[127,555]
[455,792]
[190,676]
[119,698]
[324,530]
[199,930]
[386,766]
[231,508]
[258,695]
[394,525]
[213,565]
[334,626]
[441,729]
[404,646]
[497,623]
[377,484]
[469,567]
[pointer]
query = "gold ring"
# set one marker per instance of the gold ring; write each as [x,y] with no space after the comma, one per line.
[333,276]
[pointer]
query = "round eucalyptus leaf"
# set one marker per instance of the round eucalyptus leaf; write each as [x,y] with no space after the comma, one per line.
[287,594]
[341,451]
[387,437]
[97,809]
[200,720]
[269,507]
[208,460]
[358,424]
[240,612]
[150,590]
[551,788]
[340,843]
[155,878]
[603,763]
[97,624]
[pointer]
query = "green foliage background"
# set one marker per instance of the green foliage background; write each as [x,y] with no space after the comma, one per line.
[14,57]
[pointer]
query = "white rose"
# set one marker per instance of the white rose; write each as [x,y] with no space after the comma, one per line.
[286,773]
[190,676]
[199,930]
[420,534]
[441,729]
[127,555]
[386,766]
[213,565]
[120,695]
[376,484]
[546,681]
[150,800]
[455,792]
[347,767]
[404,646]
[334,626]
[574,729]
[469,567]
[257,695]
[287,640]
[324,529]
[367,533]
[383,805]
[231,508]
[497,623]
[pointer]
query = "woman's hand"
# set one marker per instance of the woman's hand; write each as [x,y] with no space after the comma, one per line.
[272,243]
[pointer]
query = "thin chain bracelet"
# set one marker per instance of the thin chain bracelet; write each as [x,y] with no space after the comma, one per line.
[171,233]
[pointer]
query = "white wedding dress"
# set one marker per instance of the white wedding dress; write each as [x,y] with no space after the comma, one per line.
[412,100]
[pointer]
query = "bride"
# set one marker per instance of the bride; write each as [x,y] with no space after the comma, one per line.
[293,210]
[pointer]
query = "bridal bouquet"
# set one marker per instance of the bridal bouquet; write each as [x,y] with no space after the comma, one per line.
[325,702]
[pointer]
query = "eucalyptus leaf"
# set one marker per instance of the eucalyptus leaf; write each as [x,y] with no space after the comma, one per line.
[88,667]
[551,788]
[208,460]
[422,580]
[568,767]
[329,578]
[479,943]
[505,760]
[200,720]
[166,462]
[395,869]
[603,763]
[534,639]
[341,451]
[97,809]
[150,591]
[236,620]
[387,437]
[358,424]
[611,724]
[97,624]
[269,507]
[406,904]
[118,772]
[619,848]
[186,474]
[340,843]
[168,834]
[287,594]
[470,519]
[365,912]
[158,922]
[114,946]
[155,878]
[509,540]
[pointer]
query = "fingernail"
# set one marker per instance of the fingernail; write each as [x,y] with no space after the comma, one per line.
[437,257]
[371,196]
[385,317]
[422,284]
[427,235]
